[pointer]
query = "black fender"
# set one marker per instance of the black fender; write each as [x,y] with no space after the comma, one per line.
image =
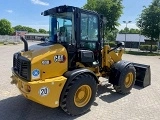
[70,75]
[116,70]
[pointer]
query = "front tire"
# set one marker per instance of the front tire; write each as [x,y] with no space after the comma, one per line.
[79,95]
[126,80]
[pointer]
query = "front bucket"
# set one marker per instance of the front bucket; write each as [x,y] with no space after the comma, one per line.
[143,75]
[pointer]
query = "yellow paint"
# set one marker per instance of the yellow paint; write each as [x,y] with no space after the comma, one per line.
[109,58]
[114,56]
[54,85]
[82,96]
[107,61]
[78,64]
[128,80]
[51,75]
[120,53]
[94,69]
[47,53]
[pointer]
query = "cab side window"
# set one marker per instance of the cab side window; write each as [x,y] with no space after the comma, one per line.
[89,27]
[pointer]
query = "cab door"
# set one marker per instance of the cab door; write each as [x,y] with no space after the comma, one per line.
[90,33]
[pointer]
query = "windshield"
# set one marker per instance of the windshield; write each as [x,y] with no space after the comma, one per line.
[61,28]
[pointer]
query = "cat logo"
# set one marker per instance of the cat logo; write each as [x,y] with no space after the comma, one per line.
[59,58]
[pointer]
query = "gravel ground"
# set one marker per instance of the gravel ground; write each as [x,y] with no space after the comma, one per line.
[140,104]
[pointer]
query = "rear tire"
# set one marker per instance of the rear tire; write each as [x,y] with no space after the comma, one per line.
[79,95]
[126,80]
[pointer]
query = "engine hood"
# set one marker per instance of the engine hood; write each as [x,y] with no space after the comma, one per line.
[43,49]
[55,55]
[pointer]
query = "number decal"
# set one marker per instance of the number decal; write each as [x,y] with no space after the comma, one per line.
[44,91]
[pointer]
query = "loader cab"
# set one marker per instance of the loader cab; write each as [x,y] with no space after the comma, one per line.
[76,29]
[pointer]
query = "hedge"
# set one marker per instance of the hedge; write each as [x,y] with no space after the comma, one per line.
[148,47]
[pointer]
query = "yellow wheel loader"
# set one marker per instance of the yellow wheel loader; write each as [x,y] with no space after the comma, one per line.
[65,70]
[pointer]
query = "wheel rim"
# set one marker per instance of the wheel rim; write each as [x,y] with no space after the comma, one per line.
[82,95]
[129,80]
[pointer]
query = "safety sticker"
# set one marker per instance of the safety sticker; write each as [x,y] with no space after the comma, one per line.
[44,91]
[35,74]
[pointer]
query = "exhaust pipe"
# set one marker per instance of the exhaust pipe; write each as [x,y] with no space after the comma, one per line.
[25,43]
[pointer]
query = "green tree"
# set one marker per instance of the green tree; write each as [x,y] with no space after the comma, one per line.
[149,21]
[18,28]
[5,27]
[111,9]
[129,31]
[24,28]
[125,30]
[111,36]
[134,31]
[42,31]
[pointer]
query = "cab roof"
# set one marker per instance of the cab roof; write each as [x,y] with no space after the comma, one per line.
[64,8]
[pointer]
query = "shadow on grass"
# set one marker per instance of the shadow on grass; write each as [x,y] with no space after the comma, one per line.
[142,53]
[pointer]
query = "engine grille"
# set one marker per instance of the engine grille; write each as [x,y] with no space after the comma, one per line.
[21,66]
